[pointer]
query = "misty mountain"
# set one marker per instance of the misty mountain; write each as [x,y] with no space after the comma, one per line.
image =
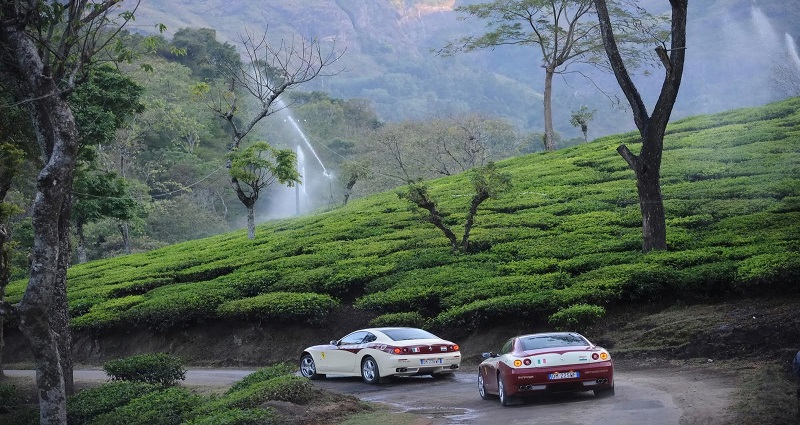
[390,57]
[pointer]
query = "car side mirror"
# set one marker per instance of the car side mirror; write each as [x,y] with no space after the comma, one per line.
[334,342]
[489,355]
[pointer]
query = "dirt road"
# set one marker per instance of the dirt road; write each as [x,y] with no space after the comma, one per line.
[663,395]
[668,396]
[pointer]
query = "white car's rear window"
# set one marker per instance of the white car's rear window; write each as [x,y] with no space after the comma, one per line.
[408,334]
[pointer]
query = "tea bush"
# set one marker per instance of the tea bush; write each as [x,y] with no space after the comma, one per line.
[410,319]
[9,397]
[158,368]
[92,402]
[282,307]
[263,374]
[293,389]
[163,407]
[576,317]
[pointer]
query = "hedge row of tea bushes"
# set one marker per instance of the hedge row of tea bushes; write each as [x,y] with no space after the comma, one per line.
[562,245]
[145,391]
[134,402]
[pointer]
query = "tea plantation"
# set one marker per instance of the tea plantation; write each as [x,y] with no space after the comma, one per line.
[563,245]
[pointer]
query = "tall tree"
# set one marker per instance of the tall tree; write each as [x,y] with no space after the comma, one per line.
[270,71]
[647,165]
[46,49]
[565,31]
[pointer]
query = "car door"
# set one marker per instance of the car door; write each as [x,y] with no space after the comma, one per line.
[491,367]
[343,358]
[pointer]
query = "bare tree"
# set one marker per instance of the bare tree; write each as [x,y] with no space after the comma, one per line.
[785,79]
[46,49]
[487,182]
[647,165]
[269,72]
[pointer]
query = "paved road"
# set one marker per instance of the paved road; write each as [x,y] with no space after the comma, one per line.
[199,377]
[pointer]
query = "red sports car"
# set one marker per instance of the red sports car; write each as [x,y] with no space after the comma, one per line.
[545,362]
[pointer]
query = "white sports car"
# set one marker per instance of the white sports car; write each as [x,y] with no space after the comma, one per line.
[376,353]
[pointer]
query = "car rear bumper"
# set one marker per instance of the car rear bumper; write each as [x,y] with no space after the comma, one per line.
[522,381]
[420,365]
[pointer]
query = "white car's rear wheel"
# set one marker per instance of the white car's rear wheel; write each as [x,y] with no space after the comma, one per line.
[308,368]
[369,371]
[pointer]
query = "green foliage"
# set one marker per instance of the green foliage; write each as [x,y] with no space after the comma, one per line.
[283,307]
[163,407]
[259,165]
[235,416]
[92,402]
[410,319]
[263,374]
[293,389]
[576,317]
[159,368]
[9,397]
[567,233]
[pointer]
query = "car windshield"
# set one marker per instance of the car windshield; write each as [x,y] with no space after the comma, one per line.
[403,334]
[550,341]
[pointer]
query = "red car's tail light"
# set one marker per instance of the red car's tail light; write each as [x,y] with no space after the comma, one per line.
[595,356]
[603,356]
[527,362]
[517,363]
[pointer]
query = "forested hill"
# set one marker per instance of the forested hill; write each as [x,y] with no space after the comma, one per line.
[561,247]
[734,49]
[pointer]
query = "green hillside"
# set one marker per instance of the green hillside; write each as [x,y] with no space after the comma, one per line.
[568,233]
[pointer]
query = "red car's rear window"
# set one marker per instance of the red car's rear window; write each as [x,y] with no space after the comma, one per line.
[551,341]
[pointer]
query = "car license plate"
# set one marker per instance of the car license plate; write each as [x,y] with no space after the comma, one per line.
[563,375]
[430,361]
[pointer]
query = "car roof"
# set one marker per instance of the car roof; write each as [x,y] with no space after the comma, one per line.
[541,334]
[388,328]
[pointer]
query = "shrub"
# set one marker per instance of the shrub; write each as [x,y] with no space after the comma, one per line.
[87,404]
[9,397]
[576,316]
[163,407]
[283,307]
[293,389]
[410,319]
[263,374]
[159,368]
[234,416]
[170,306]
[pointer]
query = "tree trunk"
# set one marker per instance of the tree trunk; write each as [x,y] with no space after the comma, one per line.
[82,257]
[647,165]
[651,203]
[57,135]
[5,275]
[477,200]
[126,237]
[549,142]
[59,320]
[251,223]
